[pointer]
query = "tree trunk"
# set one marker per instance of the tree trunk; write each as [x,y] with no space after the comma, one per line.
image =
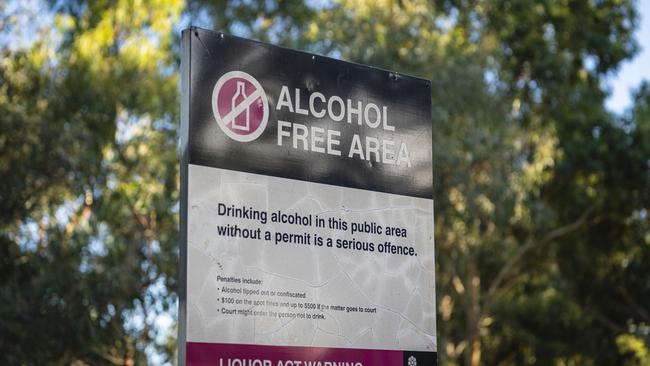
[473,356]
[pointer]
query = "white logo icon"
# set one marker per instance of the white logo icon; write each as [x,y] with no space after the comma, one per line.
[413,361]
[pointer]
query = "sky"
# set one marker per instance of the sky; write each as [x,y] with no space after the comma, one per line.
[632,72]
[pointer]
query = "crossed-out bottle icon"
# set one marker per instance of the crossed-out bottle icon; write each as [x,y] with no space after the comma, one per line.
[240,106]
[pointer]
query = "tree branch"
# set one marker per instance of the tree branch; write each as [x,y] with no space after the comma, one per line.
[531,243]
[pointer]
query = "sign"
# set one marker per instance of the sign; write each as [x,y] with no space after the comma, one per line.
[306,210]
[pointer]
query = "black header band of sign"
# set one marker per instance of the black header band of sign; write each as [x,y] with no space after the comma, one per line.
[379,122]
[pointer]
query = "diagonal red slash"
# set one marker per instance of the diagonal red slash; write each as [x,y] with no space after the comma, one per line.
[241,107]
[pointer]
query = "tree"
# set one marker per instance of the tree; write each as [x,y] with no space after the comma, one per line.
[89,183]
[502,146]
[541,194]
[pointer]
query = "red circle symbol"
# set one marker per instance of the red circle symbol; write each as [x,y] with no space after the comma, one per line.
[240,106]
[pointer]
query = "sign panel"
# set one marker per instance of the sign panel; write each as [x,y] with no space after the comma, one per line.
[306,210]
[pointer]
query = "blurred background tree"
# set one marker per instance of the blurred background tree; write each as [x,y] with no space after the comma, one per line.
[542,194]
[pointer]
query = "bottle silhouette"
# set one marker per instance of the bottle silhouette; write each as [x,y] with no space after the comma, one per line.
[242,120]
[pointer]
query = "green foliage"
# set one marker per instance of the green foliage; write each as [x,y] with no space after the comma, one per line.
[542,195]
[89,187]
[635,348]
